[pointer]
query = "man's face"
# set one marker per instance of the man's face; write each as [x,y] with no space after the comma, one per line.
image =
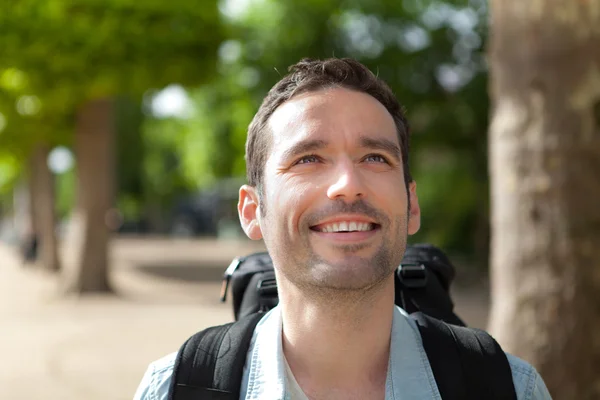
[334,204]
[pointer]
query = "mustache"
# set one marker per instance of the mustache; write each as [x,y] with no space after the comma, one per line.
[341,207]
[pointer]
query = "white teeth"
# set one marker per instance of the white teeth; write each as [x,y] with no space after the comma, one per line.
[351,226]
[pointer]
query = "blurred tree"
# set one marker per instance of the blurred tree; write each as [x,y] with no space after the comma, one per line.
[42,197]
[78,55]
[545,163]
[25,137]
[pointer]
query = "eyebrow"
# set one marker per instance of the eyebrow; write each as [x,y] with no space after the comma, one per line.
[303,147]
[307,146]
[382,144]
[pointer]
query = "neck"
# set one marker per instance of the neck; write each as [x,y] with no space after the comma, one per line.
[338,347]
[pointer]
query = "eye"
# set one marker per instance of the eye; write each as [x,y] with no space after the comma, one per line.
[309,159]
[376,158]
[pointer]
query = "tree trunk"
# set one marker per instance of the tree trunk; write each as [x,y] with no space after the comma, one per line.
[24,220]
[94,150]
[545,189]
[44,213]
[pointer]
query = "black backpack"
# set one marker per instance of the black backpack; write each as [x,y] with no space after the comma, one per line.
[467,363]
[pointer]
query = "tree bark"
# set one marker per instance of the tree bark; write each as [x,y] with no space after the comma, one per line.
[24,219]
[545,189]
[94,150]
[44,213]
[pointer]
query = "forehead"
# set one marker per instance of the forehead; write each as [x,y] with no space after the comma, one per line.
[337,115]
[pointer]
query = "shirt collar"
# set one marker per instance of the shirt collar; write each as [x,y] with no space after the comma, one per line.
[266,376]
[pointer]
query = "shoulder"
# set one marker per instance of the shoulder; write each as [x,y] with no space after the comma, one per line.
[529,385]
[157,379]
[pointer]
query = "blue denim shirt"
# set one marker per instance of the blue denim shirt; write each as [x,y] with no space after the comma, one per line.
[409,374]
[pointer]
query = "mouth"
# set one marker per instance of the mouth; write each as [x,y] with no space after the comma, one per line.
[348,226]
[346,232]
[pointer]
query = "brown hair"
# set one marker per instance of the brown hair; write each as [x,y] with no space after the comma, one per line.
[313,75]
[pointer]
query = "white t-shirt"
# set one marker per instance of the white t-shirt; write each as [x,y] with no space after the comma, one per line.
[292,388]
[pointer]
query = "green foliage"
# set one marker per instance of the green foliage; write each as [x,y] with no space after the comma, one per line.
[65,193]
[9,172]
[162,176]
[431,54]
[24,120]
[130,156]
[81,49]
[58,54]
[214,141]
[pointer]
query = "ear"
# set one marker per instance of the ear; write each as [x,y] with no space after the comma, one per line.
[414,214]
[248,211]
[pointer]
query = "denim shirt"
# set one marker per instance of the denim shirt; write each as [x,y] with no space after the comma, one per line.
[409,373]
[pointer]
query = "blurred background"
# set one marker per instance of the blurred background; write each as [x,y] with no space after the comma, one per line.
[122,134]
[184,82]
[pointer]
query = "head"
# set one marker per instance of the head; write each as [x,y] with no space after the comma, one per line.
[312,76]
[330,189]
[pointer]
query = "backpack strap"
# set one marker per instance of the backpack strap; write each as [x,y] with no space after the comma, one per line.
[467,363]
[210,364]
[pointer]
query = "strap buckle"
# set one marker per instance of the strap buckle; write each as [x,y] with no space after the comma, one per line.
[267,287]
[227,278]
[412,276]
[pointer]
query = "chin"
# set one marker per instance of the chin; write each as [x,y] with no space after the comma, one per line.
[349,273]
[355,254]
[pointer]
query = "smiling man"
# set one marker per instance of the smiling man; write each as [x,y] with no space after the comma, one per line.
[330,192]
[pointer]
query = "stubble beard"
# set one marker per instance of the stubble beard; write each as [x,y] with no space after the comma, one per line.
[342,283]
[316,278]
[347,283]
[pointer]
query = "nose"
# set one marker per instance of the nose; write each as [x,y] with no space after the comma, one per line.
[347,183]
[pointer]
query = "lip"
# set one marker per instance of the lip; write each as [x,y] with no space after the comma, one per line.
[348,237]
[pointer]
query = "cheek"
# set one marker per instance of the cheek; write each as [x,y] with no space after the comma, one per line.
[292,200]
[391,198]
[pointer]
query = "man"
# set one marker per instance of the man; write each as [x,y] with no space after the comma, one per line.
[331,194]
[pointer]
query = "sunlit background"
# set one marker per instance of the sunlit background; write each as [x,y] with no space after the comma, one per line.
[179,141]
